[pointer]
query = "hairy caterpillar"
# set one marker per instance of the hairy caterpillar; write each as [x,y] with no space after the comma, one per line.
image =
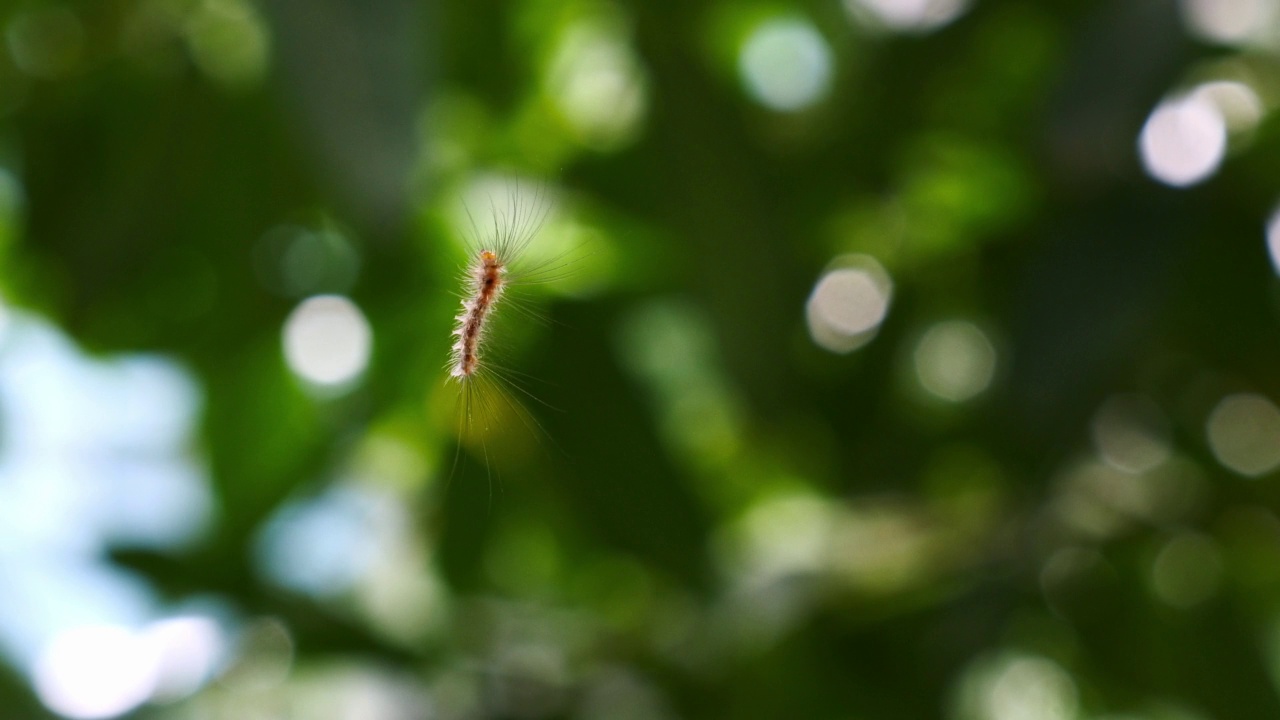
[501,262]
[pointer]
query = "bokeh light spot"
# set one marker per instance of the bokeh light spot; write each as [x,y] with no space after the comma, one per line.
[1032,688]
[229,42]
[1183,141]
[848,305]
[1237,102]
[95,671]
[1273,240]
[786,535]
[1244,434]
[598,85]
[188,650]
[323,546]
[786,64]
[1017,687]
[954,360]
[1131,434]
[918,16]
[327,340]
[1227,21]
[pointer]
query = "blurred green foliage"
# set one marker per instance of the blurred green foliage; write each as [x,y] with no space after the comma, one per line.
[704,512]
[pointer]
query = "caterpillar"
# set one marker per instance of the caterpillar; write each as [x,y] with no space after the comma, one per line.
[500,260]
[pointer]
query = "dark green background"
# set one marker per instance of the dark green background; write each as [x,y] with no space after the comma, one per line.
[697,430]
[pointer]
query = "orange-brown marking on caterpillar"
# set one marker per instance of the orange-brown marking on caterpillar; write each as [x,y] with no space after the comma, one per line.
[487,275]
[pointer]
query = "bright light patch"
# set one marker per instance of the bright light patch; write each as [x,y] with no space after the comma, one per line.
[1018,687]
[324,546]
[1244,434]
[851,301]
[363,690]
[97,456]
[786,64]
[187,650]
[917,16]
[1032,687]
[96,450]
[848,304]
[1183,141]
[882,548]
[327,340]
[785,536]
[571,256]
[1187,571]
[598,85]
[1131,434]
[5,316]
[1238,104]
[1091,498]
[955,361]
[1098,499]
[95,671]
[495,203]
[1227,21]
[1273,240]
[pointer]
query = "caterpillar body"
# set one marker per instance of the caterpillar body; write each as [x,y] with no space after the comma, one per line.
[488,281]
